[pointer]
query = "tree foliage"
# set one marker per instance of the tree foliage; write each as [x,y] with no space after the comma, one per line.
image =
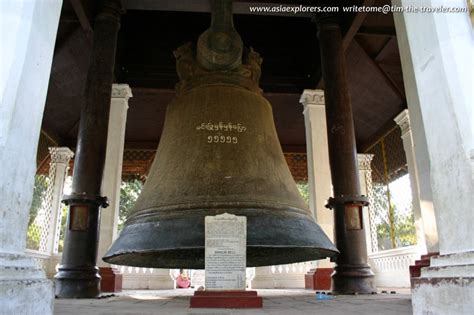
[405,233]
[62,231]
[129,192]
[304,190]
[403,222]
[39,194]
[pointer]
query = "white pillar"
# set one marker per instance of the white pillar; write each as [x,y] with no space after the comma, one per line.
[319,172]
[365,179]
[113,167]
[27,37]
[58,169]
[425,221]
[60,157]
[436,51]
[420,146]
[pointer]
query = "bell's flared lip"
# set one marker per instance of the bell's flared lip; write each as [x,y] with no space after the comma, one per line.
[175,239]
[172,258]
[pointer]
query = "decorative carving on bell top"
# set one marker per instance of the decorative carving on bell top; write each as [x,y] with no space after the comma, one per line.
[220,57]
[192,74]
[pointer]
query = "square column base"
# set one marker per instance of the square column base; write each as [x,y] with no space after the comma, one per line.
[446,287]
[318,279]
[447,295]
[26,297]
[24,288]
[226,299]
[111,281]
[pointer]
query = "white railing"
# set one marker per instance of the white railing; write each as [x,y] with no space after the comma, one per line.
[140,278]
[391,267]
[281,276]
[135,278]
[290,275]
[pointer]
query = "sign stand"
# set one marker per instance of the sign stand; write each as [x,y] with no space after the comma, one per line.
[225,263]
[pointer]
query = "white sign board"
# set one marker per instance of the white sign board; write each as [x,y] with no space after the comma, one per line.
[226,245]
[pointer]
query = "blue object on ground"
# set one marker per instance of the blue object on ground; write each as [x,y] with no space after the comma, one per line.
[323,296]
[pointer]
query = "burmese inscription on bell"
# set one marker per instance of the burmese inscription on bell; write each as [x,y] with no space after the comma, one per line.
[226,241]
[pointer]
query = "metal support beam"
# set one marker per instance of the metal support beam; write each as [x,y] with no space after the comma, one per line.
[78,275]
[352,272]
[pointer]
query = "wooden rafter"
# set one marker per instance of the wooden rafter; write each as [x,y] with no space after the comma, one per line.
[386,77]
[356,24]
[386,129]
[81,13]
[377,31]
[352,31]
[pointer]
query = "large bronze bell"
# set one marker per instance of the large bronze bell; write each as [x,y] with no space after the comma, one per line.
[218,153]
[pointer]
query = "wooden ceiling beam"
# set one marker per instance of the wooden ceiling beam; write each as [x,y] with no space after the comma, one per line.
[387,78]
[390,124]
[377,31]
[51,135]
[351,32]
[356,24]
[82,15]
[142,145]
[239,7]
[386,129]
[61,40]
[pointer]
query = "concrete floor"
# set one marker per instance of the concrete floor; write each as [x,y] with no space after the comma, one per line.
[280,302]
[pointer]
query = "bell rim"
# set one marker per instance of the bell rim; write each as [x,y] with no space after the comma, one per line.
[288,238]
[116,258]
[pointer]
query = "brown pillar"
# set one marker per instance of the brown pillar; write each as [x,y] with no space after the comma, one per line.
[78,275]
[352,273]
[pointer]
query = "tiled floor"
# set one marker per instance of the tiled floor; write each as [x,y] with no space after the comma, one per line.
[284,302]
